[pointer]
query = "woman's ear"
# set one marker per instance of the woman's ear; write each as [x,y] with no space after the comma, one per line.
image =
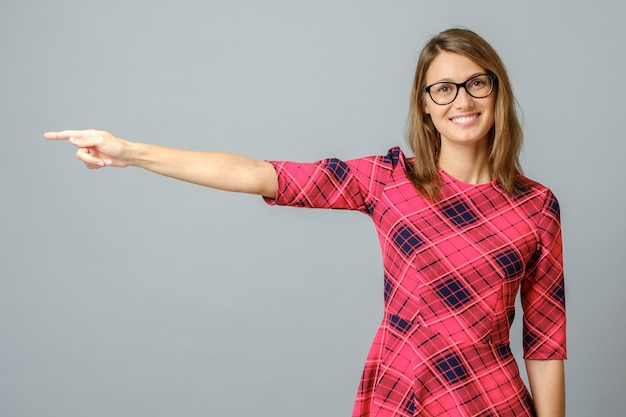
[426,109]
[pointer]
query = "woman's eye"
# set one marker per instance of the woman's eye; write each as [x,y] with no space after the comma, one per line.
[479,83]
[444,88]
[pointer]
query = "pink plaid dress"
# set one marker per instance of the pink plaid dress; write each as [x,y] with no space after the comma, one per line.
[451,273]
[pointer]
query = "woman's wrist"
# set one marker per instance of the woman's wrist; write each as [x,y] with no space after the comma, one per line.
[137,154]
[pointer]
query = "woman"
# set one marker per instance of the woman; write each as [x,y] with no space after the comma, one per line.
[460,228]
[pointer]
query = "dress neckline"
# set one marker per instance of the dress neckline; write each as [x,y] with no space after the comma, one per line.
[465,185]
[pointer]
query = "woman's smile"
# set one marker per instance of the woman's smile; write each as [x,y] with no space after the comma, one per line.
[465,120]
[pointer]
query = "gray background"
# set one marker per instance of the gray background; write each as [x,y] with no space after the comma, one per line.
[123,293]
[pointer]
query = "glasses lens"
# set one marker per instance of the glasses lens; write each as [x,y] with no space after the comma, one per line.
[479,86]
[442,93]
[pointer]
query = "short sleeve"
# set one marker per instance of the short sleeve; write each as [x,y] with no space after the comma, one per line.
[543,291]
[333,183]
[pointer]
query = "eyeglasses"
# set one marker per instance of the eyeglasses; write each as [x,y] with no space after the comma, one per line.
[479,86]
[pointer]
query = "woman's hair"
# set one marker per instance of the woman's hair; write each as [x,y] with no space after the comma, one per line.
[505,137]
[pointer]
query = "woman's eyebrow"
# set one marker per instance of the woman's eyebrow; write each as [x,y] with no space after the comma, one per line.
[450,80]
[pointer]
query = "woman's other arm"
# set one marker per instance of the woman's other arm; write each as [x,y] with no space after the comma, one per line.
[547,384]
[224,171]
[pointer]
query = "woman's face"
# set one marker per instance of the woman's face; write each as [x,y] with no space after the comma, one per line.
[467,120]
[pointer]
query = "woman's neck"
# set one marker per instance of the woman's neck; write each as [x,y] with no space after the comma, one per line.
[469,164]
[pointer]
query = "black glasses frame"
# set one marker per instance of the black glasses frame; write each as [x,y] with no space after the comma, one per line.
[491,76]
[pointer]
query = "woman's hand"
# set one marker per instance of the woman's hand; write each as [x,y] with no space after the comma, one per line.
[96,148]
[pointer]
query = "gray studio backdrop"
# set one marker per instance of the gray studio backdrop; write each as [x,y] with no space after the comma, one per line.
[123,293]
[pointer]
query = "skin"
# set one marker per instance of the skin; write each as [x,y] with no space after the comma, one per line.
[547,385]
[464,155]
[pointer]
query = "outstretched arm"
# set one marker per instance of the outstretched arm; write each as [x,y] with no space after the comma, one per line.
[547,384]
[224,171]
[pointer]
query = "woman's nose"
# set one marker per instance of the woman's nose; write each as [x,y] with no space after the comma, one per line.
[463,98]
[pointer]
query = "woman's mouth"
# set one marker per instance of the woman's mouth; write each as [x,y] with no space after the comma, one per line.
[463,120]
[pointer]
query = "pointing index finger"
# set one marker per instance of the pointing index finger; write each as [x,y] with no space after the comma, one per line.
[65,134]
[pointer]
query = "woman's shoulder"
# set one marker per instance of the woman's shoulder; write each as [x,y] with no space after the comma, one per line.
[396,158]
[536,193]
[524,185]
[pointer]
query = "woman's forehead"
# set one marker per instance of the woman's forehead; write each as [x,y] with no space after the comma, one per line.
[450,66]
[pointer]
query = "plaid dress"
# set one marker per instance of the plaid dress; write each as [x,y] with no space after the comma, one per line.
[451,274]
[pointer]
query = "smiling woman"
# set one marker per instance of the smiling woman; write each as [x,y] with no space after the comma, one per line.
[461,230]
[454,56]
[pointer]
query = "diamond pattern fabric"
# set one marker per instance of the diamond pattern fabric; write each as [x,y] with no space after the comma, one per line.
[452,270]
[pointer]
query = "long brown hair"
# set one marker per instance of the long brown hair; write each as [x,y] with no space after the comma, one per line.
[505,137]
